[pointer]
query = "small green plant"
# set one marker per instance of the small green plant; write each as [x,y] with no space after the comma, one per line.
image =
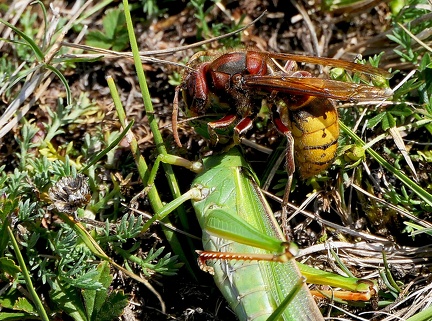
[150,7]
[94,302]
[201,15]
[114,35]
[217,29]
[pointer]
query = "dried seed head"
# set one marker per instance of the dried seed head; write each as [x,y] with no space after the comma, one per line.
[70,193]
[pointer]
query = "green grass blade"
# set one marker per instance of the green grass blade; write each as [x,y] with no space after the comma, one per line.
[64,82]
[175,190]
[425,315]
[38,52]
[116,141]
[424,195]
[38,303]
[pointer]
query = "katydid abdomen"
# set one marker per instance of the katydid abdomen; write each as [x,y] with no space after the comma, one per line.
[235,218]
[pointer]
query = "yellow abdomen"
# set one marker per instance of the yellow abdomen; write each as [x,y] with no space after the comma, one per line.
[315,129]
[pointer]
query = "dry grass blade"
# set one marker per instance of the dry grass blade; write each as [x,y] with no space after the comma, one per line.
[19,107]
[402,148]
[13,15]
[421,300]
[344,229]
[398,209]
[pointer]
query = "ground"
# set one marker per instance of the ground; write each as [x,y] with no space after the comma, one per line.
[360,226]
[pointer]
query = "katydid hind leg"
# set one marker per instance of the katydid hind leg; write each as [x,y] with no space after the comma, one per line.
[290,167]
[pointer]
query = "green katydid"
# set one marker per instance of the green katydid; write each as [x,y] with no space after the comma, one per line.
[234,205]
[232,214]
[253,265]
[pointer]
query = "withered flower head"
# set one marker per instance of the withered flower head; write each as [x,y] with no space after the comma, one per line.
[70,193]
